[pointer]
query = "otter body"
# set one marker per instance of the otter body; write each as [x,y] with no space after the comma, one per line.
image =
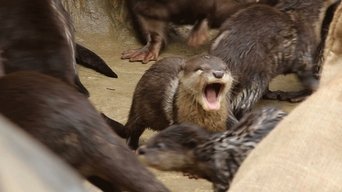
[261,42]
[177,90]
[66,122]
[193,150]
[151,19]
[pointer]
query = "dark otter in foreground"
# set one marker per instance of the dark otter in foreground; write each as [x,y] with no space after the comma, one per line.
[261,42]
[151,19]
[176,90]
[38,35]
[192,150]
[66,122]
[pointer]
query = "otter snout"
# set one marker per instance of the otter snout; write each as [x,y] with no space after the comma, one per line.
[218,74]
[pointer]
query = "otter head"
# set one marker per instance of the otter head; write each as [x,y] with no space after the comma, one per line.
[173,148]
[207,79]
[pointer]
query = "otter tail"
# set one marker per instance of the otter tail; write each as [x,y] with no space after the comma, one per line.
[117,127]
[89,59]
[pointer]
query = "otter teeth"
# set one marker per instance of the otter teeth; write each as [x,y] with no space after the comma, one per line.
[211,94]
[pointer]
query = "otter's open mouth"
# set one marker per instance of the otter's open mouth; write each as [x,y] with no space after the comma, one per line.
[212,93]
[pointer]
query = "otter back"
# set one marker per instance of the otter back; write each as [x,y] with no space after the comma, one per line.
[66,122]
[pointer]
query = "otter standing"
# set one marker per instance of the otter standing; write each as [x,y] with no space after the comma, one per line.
[261,42]
[176,90]
[151,19]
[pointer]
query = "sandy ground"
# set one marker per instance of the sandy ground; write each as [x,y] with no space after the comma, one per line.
[113,96]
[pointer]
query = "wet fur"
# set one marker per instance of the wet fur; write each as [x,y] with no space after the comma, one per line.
[261,42]
[168,93]
[66,122]
[193,150]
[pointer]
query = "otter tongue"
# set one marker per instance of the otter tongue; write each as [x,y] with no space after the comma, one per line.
[211,96]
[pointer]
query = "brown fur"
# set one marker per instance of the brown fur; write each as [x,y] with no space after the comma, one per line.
[151,19]
[172,91]
[66,122]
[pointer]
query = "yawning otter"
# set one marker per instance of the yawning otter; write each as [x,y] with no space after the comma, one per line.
[176,90]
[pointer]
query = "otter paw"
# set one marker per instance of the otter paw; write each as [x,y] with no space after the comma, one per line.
[293,97]
[143,55]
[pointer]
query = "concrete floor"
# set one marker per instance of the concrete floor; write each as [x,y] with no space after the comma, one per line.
[113,96]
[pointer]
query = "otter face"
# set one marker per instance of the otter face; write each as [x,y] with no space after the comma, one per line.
[172,148]
[207,79]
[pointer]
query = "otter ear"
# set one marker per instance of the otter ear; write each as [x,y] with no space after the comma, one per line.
[191,143]
[182,64]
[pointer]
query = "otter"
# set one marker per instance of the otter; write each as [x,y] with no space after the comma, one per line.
[324,33]
[150,19]
[175,90]
[65,121]
[193,150]
[261,42]
[38,35]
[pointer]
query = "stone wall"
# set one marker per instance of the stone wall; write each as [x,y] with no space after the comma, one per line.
[98,17]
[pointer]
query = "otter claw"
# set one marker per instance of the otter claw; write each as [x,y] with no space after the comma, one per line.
[144,55]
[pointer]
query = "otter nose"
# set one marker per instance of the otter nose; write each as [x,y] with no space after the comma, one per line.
[141,150]
[218,74]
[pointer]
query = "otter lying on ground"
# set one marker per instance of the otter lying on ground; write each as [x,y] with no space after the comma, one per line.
[176,90]
[151,19]
[261,42]
[193,150]
[66,122]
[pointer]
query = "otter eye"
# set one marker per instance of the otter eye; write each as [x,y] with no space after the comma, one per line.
[160,145]
[199,69]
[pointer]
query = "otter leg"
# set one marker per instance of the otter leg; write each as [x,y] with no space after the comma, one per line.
[293,97]
[199,33]
[246,98]
[134,131]
[155,31]
[309,81]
